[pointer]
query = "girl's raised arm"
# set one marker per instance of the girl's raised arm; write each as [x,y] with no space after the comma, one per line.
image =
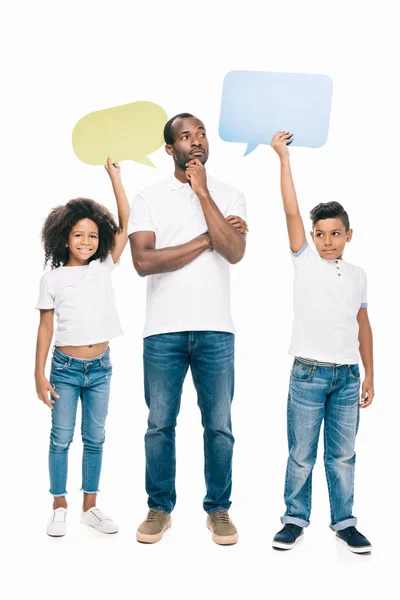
[121,237]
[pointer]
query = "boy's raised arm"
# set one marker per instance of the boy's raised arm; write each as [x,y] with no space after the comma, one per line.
[295,227]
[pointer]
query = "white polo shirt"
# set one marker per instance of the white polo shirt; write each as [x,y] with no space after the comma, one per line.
[83,302]
[197,296]
[327,297]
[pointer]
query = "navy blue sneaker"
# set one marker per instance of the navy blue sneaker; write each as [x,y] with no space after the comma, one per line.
[287,537]
[354,540]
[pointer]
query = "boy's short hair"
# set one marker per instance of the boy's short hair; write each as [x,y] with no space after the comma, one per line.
[330,210]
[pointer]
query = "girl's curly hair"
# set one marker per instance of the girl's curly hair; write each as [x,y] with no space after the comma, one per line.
[60,221]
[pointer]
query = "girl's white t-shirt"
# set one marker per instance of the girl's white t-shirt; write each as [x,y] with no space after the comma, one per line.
[83,302]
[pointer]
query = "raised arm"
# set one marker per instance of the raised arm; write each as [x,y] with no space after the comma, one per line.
[44,337]
[226,239]
[121,237]
[294,222]
[366,353]
[149,261]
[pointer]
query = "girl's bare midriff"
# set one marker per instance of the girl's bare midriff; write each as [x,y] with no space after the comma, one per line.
[90,351]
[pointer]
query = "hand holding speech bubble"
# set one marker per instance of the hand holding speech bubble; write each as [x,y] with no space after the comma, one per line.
[255,105]
[130,131]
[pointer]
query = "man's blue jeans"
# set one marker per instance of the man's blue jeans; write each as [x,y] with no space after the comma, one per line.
[167,357]
[332,394]
[90,380]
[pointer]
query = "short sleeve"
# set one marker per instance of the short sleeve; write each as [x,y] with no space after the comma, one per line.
[303,257]
[109,262]
[140,216]
[238,208]
[364,297]
[46,295]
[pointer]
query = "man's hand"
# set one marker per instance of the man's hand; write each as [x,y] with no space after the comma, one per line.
[367,392]
[238,223]
[279,143]
[43,387]
[196,174]
[113,169]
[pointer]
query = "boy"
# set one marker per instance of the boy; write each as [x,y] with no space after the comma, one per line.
[330,326]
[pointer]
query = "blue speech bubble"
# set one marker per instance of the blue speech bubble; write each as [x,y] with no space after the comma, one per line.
[257,104]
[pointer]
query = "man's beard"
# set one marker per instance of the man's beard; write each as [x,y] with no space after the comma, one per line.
[182,159]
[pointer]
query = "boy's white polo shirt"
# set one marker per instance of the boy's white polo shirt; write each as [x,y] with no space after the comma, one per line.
[327,297]
[197,296]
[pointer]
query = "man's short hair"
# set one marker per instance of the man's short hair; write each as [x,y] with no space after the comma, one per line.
[168,137]
[330,210]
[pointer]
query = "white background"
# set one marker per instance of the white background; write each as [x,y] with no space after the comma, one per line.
[61,61]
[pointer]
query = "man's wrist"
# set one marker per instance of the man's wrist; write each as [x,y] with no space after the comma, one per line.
[203,194]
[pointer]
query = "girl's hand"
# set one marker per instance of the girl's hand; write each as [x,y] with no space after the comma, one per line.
[279,143]
[43,387]
[113,169]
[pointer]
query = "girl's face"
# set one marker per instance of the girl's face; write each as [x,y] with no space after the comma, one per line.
[83,241]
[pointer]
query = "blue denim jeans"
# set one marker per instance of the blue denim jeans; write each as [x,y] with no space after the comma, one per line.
[74,378]
[167,357]
[330,394]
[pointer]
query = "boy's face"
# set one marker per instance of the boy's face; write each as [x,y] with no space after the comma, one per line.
[330,238]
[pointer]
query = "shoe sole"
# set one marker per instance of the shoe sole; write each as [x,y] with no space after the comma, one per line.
[147,538]
[223,540]
[360,550]
[55,535]
[283,546]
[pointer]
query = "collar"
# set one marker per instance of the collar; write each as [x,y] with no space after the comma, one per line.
[175,184]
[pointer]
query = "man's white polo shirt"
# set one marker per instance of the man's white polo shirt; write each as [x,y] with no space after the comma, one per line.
[197,296]
[327,297]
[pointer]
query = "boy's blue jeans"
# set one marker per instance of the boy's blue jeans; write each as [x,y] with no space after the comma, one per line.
[167,357]
[90,380]
[330,394]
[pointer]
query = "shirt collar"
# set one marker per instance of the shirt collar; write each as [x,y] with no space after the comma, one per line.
[175,184]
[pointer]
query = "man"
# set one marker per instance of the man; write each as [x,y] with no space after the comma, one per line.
[184,232]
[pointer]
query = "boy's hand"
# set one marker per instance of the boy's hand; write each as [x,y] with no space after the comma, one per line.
[43,387]
[238,223]
[113,169]
[367,392]
[279,143]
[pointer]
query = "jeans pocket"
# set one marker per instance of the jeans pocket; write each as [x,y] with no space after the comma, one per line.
[58,364]
[354,371]
[106,363]
[301,371]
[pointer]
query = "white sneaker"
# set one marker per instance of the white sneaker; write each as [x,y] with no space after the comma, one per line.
[57,526]
[95,518]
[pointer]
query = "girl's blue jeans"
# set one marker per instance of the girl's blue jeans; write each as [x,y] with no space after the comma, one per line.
[89,380]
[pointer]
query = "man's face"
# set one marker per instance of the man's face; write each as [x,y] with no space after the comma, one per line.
[330,238]
[190,141]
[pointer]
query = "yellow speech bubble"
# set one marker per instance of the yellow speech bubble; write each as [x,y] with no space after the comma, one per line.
[130,131]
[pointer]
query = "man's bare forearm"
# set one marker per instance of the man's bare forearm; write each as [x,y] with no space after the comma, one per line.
[225,239]
[151,261]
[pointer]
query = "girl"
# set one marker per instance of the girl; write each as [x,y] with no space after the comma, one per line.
[82,243]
